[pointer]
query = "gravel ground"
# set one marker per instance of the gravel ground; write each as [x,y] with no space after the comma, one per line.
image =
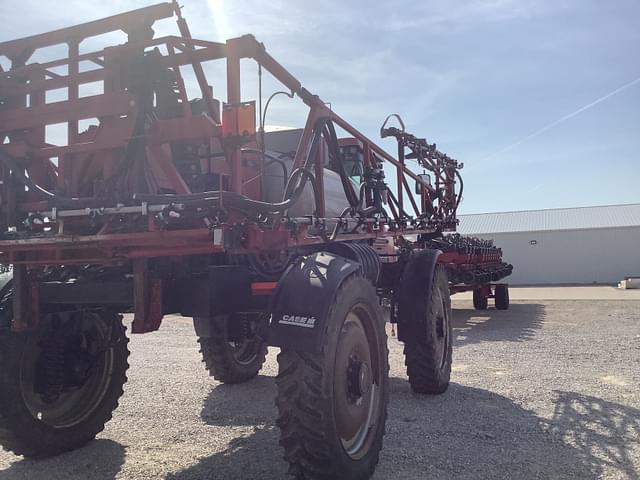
[547,389]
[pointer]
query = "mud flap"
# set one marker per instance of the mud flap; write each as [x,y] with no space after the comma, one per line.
[302,300]
[415,283]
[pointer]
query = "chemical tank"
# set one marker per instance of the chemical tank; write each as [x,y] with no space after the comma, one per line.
[274,183]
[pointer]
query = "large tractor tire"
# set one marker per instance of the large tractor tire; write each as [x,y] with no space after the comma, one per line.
[428,354]
[233,353]
[332,406]
[502,296]
[60,384]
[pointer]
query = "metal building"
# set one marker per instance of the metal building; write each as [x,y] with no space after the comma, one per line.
[565,245]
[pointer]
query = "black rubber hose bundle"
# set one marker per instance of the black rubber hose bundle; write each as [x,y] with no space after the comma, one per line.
[293,191]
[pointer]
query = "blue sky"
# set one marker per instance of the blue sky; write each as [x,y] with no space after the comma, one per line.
[479,78]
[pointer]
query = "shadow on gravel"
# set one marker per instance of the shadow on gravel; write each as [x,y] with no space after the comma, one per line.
[517,324]
[470,433]
[254,453]
[466,433]
[101,459]
[606,435]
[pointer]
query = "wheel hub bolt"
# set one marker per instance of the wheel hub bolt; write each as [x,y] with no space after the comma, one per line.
[358,377]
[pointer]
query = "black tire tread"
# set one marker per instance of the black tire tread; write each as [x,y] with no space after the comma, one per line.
[219,361]
[302,409]
[425,373]
[501,297]
[17,433]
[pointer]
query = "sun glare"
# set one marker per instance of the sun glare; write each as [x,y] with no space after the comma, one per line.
[220,20]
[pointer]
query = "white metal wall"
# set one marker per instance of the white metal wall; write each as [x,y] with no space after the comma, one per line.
[604,255]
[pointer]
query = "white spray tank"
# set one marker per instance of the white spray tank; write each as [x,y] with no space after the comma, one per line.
[283,144]
[274,183]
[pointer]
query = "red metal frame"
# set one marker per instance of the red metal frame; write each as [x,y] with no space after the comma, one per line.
[99,151]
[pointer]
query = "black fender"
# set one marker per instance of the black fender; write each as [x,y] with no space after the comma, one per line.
[415,282]
[302,300]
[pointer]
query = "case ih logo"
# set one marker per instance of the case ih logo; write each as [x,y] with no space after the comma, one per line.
[298,321]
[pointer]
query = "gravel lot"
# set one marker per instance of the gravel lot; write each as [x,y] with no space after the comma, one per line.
[547,389]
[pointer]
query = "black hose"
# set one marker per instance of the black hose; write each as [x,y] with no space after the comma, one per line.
[306,175]
[362,210]
[294,188]
[344,178]
[293,191]
[461,190]
[383,133]
[18,170]
[120,178]
[13,164]
[297,181]
[263,118]
[160,198]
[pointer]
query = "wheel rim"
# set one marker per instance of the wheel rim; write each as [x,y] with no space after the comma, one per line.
[63,384]
[245,351]
[357,380]
[442,327]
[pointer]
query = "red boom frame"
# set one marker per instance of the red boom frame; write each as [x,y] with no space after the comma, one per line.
[96,153]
